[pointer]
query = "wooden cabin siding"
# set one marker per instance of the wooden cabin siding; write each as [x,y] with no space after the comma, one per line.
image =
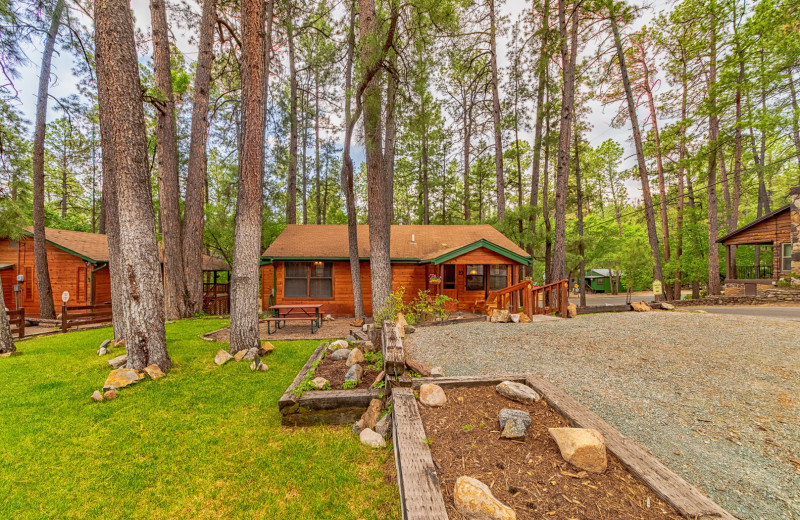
[102,286]
[9,277]
[777,230]
[481,255]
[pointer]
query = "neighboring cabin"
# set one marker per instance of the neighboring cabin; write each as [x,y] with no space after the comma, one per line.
[77,261]
[310,264]
[773,233]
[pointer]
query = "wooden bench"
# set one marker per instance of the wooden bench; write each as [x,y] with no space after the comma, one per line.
[280,322]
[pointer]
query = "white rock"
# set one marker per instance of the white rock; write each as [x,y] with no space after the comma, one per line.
[437,372]
[475,501]
[339,343]
[371,438]
[319,382]
[518,392]
[222,357]
[432,395]
[514,318]
[340,355]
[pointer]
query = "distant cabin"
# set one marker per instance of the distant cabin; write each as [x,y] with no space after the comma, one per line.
[78,263]
[310,264]
[773,234]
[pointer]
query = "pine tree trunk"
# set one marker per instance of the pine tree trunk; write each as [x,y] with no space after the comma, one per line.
[304,108]
[540,113]
[122,120]
[582,272]
[548,243]
[637,139]
[568,59]
[175,295]
[467,151]
[713,136]
[795,118]
[46,305]
[379,214]
[194,207]
[681,168]
[6,339]
[291,204]
[347,172]
[496,117]
[247,234]
[317,165]
[390,135]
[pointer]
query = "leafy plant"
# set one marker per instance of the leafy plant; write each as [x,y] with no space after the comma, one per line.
[349,385]
[392,307]
[467,427]
[374,360]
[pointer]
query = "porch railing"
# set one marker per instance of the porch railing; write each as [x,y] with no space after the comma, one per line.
[17,318]
[84,315]
[216,299]
[751,272]
[546,299]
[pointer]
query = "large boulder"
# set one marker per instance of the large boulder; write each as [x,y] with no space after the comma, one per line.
[372,438]
[584,448]
[475,501]
[373,413]
[572,310]
[640,306]
[118,362]
[518,392]
[507,414]
[500,316]
[122,377]
[354,373]
[339,343]
[222,357]
[341,354]
[355,357]
[432,395]
[420,367]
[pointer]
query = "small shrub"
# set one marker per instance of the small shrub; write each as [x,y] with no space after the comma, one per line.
[467,427]
[374,360]
[349,385]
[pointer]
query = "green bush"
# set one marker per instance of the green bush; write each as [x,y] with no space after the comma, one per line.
[423,307]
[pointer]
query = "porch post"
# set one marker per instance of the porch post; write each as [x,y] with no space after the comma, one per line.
[728,266]
[733,261]
[795,228]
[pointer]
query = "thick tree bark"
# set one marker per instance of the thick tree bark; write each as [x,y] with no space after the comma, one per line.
[497,118]
[681,169]
[291,204]
[247,235]
[6,339]
[46,305]
[540,112]
[548,243]
[568,59]
[175,295]
[347,172]
[637,139]
[390,134]
[194,207]
[379,215]
[795,118]
[122,121]
[304,109]
[467,150]
[713,137]
[317,165]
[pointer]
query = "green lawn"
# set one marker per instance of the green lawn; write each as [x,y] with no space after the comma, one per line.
[203,442]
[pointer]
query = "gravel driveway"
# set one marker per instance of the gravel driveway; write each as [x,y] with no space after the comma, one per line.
[715,397]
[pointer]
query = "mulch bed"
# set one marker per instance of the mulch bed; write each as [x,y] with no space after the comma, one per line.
[530,476]
[334,371]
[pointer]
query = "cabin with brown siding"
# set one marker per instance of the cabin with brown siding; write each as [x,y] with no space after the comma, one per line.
[772,235]
[310,264]
[77,261]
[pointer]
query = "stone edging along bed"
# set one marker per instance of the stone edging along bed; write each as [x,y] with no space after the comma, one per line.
[420,493]
[323,406]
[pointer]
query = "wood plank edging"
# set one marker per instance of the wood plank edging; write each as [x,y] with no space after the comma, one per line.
[288,399]
[669,486]
[420,493]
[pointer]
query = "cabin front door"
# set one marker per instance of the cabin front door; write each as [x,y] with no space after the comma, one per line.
[449,283]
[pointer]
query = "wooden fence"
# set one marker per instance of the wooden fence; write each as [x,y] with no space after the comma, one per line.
[17,318]
[546,299]
[84,315]
[216,299]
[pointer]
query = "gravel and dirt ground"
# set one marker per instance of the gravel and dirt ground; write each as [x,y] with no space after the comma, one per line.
[337,329]
[715,397]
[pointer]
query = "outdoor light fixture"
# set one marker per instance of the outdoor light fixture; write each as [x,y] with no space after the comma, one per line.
[473,272]
[318,263]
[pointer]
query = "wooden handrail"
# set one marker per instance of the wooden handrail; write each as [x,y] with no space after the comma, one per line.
[17,317]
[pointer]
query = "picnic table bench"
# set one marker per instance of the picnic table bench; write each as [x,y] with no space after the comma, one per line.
[294,312]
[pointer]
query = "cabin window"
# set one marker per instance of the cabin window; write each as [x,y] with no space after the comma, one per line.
[449,276]
[475,279]
[498,277]
[786,257]
[308,280]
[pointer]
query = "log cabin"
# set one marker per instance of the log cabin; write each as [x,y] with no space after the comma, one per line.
[78,263]
[310,264]
[772,234]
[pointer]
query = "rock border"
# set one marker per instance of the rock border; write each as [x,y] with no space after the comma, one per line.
[323,406]
[420,493]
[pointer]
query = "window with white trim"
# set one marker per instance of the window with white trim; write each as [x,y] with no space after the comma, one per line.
[786,257]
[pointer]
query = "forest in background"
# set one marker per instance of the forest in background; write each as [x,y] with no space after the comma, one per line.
[467,136]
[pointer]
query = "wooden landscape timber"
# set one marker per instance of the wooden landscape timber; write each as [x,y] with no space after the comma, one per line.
[421,496]
[323,406]
[394,361]
[450,322]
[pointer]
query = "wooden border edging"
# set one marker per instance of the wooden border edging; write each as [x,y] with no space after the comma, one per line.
[449,322]
[591,309]
[323,406]
[421,496]
[674,490]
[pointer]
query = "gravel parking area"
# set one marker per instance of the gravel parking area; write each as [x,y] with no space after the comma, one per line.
[715,397]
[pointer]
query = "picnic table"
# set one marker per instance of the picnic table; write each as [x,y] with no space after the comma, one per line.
[294,312]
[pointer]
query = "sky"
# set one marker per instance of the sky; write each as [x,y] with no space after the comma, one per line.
[63,83]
